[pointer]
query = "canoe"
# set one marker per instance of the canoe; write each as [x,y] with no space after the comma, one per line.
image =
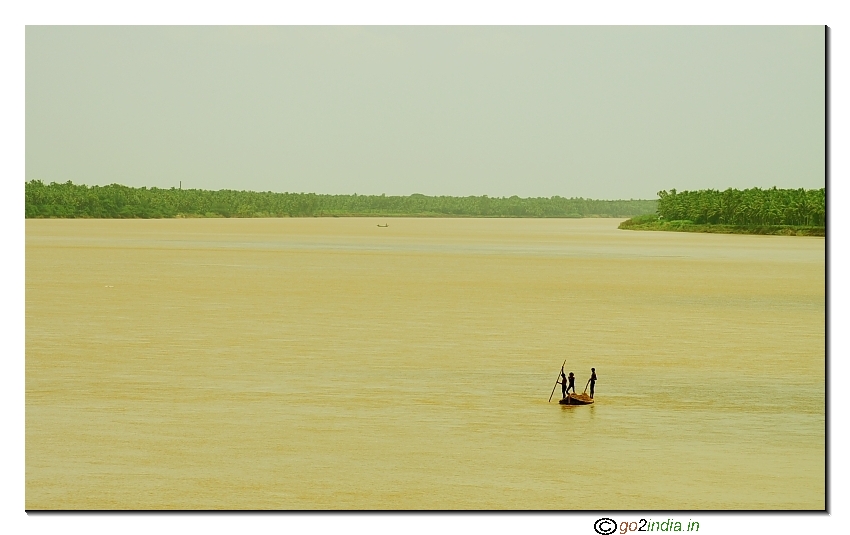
[577,399]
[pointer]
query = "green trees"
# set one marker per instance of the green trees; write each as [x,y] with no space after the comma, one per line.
[117,201]
[749,207]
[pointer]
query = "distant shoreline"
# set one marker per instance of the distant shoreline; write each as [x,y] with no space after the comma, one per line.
[68,200]
[654,223]
[341,216]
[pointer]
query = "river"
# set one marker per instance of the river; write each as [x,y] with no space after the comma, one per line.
[329,363]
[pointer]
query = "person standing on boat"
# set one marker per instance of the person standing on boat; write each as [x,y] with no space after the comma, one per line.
[563,381]
[592,381]
[572,384]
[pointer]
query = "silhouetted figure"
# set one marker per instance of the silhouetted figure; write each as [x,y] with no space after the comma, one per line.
[592,381]
[563,381]
[572,384]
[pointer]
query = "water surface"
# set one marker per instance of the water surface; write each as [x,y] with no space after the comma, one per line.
[329,363]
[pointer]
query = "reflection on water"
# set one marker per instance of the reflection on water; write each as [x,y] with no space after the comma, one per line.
[331,363]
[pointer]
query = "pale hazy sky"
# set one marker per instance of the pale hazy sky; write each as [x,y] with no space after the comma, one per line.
[599,112]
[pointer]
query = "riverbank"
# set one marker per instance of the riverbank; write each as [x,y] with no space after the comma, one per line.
[115,201]
[653,222]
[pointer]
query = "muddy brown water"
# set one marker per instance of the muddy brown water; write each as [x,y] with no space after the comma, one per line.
[330,363]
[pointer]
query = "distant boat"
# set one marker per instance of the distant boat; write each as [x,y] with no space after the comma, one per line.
[384,225]
[577,399]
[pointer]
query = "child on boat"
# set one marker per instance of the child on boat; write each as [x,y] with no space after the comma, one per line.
[571,385]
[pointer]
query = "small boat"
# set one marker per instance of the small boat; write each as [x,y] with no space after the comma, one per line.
[576,399]
[384,225]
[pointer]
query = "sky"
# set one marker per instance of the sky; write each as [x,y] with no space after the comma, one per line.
[604,112]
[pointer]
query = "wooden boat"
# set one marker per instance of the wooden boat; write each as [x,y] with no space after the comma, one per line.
[577,399]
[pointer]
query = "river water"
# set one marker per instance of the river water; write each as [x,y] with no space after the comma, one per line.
[326,363]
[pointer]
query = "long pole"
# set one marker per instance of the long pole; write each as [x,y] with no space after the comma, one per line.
[556,381]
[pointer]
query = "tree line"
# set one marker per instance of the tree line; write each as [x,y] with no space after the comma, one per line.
[749,207]
[68,200]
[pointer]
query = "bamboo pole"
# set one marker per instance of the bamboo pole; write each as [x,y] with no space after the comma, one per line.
[556,381]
